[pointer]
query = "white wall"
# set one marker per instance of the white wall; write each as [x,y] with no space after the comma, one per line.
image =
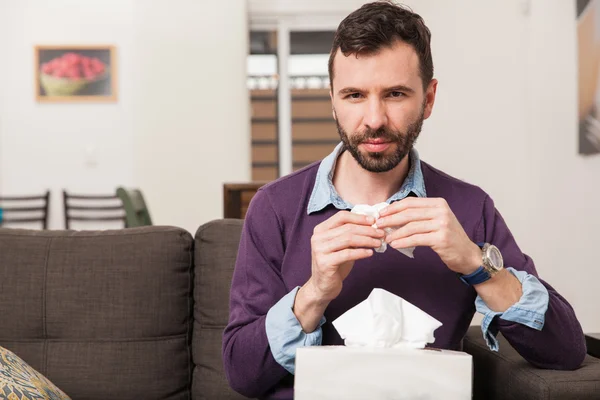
[180,126]
[43,146]
[191,106]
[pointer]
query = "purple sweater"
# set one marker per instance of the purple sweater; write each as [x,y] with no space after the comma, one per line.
[275,256]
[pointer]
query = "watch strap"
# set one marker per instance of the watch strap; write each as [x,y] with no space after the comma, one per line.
[480,275]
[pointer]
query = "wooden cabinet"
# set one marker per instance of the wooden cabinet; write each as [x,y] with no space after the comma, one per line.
[237,196]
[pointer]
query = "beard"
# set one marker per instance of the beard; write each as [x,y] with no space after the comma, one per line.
[380,162]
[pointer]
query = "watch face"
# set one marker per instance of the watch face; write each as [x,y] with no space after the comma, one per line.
[495,257]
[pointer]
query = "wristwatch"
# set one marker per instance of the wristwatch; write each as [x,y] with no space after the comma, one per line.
[491,264]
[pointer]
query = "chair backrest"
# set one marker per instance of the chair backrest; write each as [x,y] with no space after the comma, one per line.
[136,211]
[237,196]
[95,207]
[25,209]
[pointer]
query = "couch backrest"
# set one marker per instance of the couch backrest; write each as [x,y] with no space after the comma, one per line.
[216,250]
[104,315]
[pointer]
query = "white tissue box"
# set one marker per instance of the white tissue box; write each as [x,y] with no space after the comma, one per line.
[340,372]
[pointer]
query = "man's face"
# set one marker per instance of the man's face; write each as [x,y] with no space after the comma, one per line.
[379,104]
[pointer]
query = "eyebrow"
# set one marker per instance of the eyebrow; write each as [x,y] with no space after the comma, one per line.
[396,88]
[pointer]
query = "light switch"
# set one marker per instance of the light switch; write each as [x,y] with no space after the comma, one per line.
[91,159]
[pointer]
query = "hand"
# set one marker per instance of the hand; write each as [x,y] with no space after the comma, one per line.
[430,222]
[336,244]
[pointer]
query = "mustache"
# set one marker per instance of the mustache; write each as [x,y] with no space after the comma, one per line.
[381,133]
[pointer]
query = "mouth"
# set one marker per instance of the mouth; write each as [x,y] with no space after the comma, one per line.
[376,145]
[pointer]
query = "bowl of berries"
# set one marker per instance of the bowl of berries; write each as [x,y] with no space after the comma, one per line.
[70,73]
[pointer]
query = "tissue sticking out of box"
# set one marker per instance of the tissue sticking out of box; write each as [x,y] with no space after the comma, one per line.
[373,211]
[386,320]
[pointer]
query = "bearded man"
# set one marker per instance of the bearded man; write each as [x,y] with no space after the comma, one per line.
[304,258]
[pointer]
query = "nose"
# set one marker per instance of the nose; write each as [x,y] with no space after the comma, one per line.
[375,115]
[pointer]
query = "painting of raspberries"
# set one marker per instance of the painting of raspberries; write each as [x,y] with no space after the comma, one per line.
[75,73]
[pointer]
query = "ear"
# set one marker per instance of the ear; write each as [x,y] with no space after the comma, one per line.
[430,98]
[332,109]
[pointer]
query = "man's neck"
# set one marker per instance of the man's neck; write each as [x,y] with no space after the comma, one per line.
[356,185]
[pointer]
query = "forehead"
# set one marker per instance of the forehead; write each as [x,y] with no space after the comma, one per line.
[391,65]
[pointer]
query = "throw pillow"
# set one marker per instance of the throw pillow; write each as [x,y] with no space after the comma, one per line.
[18,381]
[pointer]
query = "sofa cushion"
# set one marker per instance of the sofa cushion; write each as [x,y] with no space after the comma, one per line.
[505,375]
[103,314]
[216,250]
[19,381]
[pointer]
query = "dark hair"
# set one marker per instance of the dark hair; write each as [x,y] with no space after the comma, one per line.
[379,24]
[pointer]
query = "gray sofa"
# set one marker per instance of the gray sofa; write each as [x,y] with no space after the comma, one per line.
[138,314]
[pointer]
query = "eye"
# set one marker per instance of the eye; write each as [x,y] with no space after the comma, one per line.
[396,94]
[354,96]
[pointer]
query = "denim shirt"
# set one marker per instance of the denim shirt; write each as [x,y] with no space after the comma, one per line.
[284,331]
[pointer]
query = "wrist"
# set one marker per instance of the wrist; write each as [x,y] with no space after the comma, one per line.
[311,296]
[500,292]
[309,307]
[473,261]
[500,276]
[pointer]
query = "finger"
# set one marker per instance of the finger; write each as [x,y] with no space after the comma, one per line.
[403,217]
[341,218]
[413,202]
[413,228]
[363,230]
[350,241]
[342,256]
[420,239]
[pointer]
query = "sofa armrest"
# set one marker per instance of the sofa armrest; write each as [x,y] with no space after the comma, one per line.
[506,375]
[592,341]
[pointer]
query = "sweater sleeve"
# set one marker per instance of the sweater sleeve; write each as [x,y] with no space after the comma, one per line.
[560,343]
[256,286]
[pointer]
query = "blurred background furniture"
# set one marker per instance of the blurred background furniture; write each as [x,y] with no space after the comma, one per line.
[237,196]
[136,211]
[92,207]
[20,210]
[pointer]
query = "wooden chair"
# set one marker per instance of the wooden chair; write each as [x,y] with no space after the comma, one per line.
[237,196]
[136,211]
[78,207]
[25,209]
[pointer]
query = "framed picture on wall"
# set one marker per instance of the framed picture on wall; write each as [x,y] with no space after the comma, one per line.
[588,43]
[75,73]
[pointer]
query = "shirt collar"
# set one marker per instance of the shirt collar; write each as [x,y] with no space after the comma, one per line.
[324,192]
